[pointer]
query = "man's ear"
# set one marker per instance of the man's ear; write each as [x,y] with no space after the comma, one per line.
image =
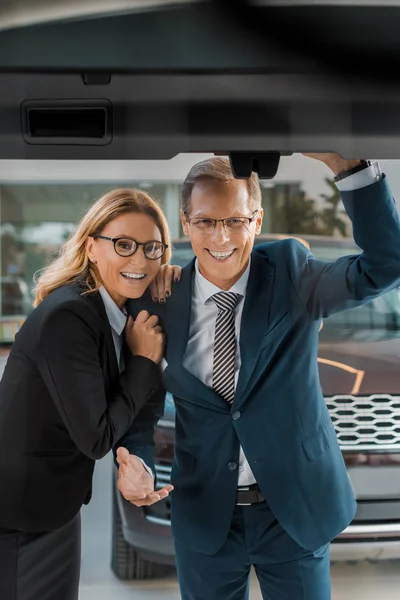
[185,225]
[259,221]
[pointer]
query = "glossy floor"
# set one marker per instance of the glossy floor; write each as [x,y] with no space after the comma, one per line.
[349,582]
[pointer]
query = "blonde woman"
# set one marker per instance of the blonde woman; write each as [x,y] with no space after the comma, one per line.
[77,376]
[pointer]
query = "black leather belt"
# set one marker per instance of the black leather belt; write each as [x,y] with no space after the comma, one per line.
[249,495]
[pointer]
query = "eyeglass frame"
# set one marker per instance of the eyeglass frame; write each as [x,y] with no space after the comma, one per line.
[215,221]
[125,237]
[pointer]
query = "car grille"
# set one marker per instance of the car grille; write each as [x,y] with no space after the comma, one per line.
[361,423]
[160,512]
[366,422]
[163,475]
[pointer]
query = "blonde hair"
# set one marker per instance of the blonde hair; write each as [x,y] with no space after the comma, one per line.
[72,264]
[217,169]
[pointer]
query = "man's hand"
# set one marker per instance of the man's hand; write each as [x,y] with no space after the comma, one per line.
[334,161]
[134,481]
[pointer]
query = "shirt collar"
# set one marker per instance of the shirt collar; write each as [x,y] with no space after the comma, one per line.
[116,316]
[204,289]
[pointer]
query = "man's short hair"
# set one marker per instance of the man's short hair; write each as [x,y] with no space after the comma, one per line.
[218,169]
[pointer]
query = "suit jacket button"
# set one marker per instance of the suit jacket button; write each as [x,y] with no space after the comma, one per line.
[236,415]
[232,466]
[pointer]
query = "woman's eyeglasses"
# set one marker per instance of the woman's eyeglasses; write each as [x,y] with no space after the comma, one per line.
[124,246]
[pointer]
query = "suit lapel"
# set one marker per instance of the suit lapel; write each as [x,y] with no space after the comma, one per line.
[112,364]
[177,317]
[255,319]
[177,326]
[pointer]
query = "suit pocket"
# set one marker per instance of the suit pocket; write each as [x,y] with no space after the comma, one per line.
[278,329]
[318,444]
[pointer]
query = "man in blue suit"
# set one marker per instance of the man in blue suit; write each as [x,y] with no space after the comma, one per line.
[258,474]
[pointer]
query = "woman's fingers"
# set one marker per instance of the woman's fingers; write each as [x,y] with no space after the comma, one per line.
[177,273]
[168,277]
[142,316]
[152,321]
[161,286]
[157,287]
[172,275]
[153,290]
[169,274]
[161,283]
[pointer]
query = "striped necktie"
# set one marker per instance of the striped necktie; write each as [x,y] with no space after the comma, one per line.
[223,381]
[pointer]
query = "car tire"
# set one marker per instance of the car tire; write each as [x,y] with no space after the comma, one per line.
[126,564]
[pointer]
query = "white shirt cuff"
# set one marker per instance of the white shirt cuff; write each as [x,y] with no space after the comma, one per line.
[358,180]
[146,467]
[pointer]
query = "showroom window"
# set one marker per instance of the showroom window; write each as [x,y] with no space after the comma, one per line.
[36,219]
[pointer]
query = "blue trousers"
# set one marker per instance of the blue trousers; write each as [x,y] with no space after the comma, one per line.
[285,571]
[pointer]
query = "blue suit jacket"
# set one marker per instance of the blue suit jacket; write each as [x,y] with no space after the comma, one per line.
[284,425]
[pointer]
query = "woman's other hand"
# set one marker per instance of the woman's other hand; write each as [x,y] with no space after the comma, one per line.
[161,286]
[144,336]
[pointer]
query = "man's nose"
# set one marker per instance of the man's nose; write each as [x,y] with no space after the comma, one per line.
[220,232]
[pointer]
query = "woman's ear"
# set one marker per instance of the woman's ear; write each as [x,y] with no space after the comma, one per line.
[90,250]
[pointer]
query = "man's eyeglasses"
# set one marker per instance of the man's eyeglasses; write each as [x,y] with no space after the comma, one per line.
[124,246]
[230,223]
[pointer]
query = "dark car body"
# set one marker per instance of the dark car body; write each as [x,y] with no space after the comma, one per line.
[359,354]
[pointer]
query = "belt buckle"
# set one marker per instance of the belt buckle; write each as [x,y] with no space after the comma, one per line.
[244,488]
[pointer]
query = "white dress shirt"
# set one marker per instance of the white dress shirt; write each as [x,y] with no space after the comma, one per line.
[117,319]
[198,358]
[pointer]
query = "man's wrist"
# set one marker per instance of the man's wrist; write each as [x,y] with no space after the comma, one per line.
[337,164]
[367,173]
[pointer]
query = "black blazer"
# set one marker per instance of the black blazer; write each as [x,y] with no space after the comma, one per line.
[64,404]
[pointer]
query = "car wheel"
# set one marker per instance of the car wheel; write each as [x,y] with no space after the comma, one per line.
[125,561]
